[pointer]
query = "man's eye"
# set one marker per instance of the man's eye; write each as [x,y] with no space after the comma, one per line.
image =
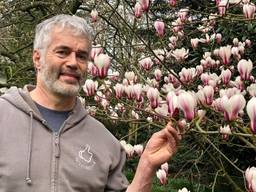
[82,57]
[62,53]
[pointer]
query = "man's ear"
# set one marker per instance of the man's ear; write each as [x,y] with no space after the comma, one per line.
[36,59]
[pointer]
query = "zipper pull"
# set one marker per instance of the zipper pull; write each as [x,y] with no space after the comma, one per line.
[57,145]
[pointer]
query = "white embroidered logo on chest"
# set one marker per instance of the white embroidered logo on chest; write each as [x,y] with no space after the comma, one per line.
[85,158]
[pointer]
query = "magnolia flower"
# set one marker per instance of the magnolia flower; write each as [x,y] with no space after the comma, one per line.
[94,15]
[194,43]
[225,76]
[180,54]
[222,6]
[92,69]
[245,67]
[159,26]
[119,90]
[225,54]
[90,87]
[249,10]
[96,50]
[138,10]
[187,75]
[225,131]
[172,102]
[128,148]
[218,38]
[146,63]
[145,5]
[187,103]
[162,176]
[172,2]
[205,95]
[130,76]
[251,111]
[182,14]
[252,90]
[158,74]
[232,106]
[137,88]
[138,149]
[102,61]
[184,189]
[250,176]
[153,97]
[165,167]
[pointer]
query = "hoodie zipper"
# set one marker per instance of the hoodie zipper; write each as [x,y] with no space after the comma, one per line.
[55,161]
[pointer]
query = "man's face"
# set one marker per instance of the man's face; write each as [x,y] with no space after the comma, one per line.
[64,64]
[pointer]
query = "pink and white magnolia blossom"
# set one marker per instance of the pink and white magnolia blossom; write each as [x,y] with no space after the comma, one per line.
[96,50]
[138,10]
[199,70]
[119,90]
[129,90]
[162,110]
[138,149]
[252,90]
[165,167]
[128,148]
[225,131]
[180,54]
[137,88]
[102,62]
[173,42]
[187,103]
[249,10]
[131,77]
[146,63]
[172,2]
[145,5]
[94,15]
[232,106]
[182,14]
[235,53]
[230,92]
[251,111]
[218,38]
[153,97]
[248,43]
[158,74]
[135,115]
[222,7]
[92,69]
[225,54]
[187,75]
[205,95]
[184,189]
[225,76]
[245,68]
[90,87]
[172,102]
[194,43]
[162,176]
[159,27]
[250,177]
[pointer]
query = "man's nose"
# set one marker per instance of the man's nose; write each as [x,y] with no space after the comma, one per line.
[72,60]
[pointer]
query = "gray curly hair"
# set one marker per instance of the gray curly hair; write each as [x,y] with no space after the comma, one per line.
[75,23]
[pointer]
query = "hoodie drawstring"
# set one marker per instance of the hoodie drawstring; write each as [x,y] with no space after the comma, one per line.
[28,176]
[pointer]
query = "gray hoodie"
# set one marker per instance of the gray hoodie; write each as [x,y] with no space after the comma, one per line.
[83,157]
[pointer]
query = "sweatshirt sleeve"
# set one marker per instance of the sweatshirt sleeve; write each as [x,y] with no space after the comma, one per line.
[117,181]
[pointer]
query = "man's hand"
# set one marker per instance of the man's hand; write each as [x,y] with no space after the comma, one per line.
[159,149]
[161,146]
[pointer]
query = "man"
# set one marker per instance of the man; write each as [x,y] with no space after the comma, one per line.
[48,142]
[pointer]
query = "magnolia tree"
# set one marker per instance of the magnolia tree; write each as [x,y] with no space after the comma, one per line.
[154,62]
[189,62]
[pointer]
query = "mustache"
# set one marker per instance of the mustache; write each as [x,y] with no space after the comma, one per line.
[76,74]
